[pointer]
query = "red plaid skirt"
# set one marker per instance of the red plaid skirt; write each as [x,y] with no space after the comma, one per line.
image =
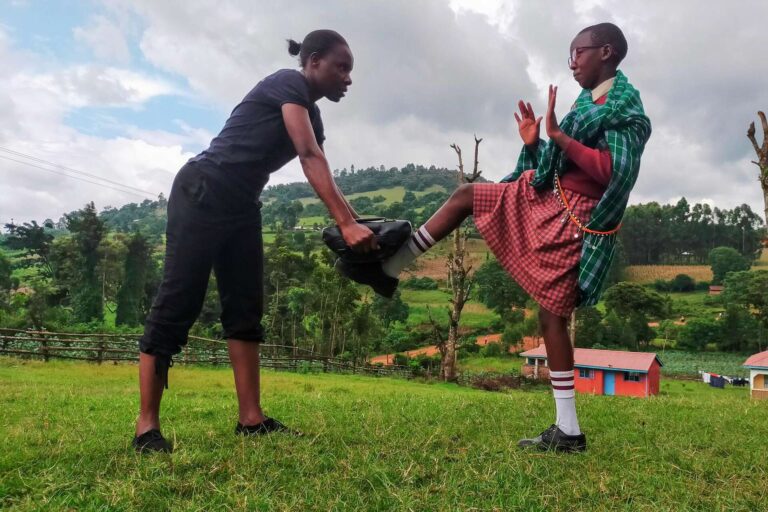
[532,239]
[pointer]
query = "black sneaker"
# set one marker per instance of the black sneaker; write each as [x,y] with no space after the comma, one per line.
[267,426]
[371,274]
[555,439]
[151,441]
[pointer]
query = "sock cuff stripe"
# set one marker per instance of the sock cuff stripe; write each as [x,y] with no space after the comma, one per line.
[568,373]
[559,379]
[426,236]
[416,246]
[565,385]
[419,237]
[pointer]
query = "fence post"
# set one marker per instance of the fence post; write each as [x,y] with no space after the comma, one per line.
[44,345]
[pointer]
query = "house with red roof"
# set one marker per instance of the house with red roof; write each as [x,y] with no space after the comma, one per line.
[758,374]
[603,372]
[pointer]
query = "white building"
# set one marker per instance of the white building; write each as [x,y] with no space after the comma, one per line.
[758,374]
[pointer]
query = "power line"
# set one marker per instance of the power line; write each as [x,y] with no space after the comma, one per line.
[70,169]
[77,177]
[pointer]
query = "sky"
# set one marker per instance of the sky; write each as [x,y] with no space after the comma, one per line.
[120,93]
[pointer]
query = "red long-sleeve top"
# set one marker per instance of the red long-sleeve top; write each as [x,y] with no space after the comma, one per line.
[588,170]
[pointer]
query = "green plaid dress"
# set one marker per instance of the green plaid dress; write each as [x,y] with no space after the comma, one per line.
[622,126]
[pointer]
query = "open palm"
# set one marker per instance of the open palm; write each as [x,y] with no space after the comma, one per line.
[527,124]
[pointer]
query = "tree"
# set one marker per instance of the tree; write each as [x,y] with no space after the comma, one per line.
[683,283]
[633,304]
[589,327]
[131,305]
[497,290]
[749,290]
[391,310]
[459,280]
[697,333]
[762,157]
[34,239]
[724,260]
[6,282]
[87,231]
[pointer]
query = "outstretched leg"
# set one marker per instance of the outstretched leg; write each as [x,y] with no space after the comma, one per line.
[449,217]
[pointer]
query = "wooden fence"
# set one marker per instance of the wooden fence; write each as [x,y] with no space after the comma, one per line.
[102,347]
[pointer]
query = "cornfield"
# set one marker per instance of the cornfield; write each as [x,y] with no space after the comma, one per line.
[649,273]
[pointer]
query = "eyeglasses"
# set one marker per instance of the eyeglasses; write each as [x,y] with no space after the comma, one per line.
[577,51]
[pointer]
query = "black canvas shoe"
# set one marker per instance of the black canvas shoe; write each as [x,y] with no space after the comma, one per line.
[555,439]
[267,426]
[371,274]
[151,441]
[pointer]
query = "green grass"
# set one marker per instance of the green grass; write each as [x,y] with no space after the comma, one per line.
[391,195]
[371,444]
[491,364]
[474,316]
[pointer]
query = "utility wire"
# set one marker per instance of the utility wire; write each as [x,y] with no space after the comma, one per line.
[143,194]
[70,169]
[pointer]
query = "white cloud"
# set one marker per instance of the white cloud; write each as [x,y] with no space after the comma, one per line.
[105,38]
[426,74]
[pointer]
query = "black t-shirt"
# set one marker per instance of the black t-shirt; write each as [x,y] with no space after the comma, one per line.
[254,141]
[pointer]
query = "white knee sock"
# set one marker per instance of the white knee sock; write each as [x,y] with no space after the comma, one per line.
[565,402]
[421,241]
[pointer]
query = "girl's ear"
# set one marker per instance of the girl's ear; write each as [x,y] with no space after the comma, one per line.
[607,53]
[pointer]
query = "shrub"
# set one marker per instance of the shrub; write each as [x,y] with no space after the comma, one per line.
[682,283]
[401,360]
[491,350]
[420,283]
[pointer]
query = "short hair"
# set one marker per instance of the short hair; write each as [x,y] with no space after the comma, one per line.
[317,41]
[608,33]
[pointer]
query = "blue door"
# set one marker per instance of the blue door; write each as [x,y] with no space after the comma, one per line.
[609,383]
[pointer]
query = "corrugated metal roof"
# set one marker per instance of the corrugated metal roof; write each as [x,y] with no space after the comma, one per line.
[759,360]
[595,358]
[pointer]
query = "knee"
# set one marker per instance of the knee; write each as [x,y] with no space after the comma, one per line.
[550,322]
[464,196]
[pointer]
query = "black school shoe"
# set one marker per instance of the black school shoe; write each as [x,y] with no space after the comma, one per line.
[152,441]
[267,426]
[371,274]
[556,440]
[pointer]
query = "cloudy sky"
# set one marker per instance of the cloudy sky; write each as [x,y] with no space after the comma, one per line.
[128,90]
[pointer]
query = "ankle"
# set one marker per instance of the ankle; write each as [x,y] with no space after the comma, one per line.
[145,424]
[252,417]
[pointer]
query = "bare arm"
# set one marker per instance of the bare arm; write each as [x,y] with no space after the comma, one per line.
[318,174]
[346,201]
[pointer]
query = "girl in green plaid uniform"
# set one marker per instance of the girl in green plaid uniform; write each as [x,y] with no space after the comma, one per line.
[552,223]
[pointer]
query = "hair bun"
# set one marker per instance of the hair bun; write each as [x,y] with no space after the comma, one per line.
[293,47]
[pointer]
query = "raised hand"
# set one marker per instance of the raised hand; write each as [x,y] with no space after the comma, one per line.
[551,124]
[527,124]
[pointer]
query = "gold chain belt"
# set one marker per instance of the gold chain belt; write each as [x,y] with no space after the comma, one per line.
[560,195]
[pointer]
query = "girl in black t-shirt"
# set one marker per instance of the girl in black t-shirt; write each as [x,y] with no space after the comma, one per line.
[214,222]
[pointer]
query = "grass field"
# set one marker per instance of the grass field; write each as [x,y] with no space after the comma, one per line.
[371,444]
[474,315]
